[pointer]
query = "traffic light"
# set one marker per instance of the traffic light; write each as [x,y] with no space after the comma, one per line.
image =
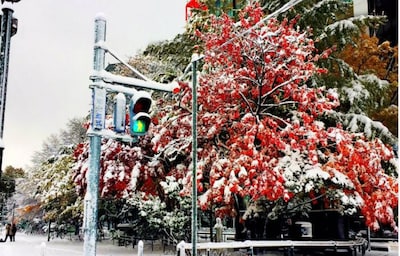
[139,118]
[119,112]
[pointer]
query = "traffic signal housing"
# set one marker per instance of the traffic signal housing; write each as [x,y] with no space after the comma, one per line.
[139,107]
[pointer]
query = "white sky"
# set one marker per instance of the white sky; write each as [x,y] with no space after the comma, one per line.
[51,58]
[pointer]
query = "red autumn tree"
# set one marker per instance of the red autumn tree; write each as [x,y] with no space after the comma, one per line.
[259,127]
[260,131]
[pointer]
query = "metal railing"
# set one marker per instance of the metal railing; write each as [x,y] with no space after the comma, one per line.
[289,246]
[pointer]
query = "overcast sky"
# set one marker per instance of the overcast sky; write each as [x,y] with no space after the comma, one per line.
[51,58]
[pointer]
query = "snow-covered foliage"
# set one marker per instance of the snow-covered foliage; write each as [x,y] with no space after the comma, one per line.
[55,189]
[49,181]
[124,169]
[374,94]
[334,26]
[260,134]
[372,129]
[169,218]
[258,129]
[54,171]
[175,54]
[55,144]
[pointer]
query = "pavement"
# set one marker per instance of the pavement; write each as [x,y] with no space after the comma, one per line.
[36,245]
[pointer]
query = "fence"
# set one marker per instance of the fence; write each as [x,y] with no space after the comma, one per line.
[288,246]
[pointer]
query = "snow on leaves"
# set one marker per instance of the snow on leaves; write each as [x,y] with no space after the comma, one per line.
[258,129]
[124,169]
[259,133]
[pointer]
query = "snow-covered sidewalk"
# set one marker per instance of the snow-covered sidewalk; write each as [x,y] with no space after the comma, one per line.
[34,245]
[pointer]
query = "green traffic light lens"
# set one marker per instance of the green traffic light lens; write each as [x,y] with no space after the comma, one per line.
[139,126]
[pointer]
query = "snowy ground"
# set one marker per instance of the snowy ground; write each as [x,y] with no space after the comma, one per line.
[28,245]
[33,245]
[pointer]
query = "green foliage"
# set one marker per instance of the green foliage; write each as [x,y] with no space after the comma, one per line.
[7,185]
[332,21]
[298,206]
[230,7]
[150,215]
[49,180]
[13,172]
[7,182]
[178,51]
[168,218]
[56,189]
[113,211]
[334,27]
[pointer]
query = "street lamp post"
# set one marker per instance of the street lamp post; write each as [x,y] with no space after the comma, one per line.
[8,29]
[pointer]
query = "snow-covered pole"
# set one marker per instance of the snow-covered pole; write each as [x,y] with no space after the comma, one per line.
[195,58]
[97,124]
[180,248]
[6,33]
[43,249]
[140,248]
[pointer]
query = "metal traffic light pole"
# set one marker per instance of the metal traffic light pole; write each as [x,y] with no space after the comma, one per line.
[97,124]
[104,82]
[8,29]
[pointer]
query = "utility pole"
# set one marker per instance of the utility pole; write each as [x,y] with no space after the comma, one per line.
[8,29]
